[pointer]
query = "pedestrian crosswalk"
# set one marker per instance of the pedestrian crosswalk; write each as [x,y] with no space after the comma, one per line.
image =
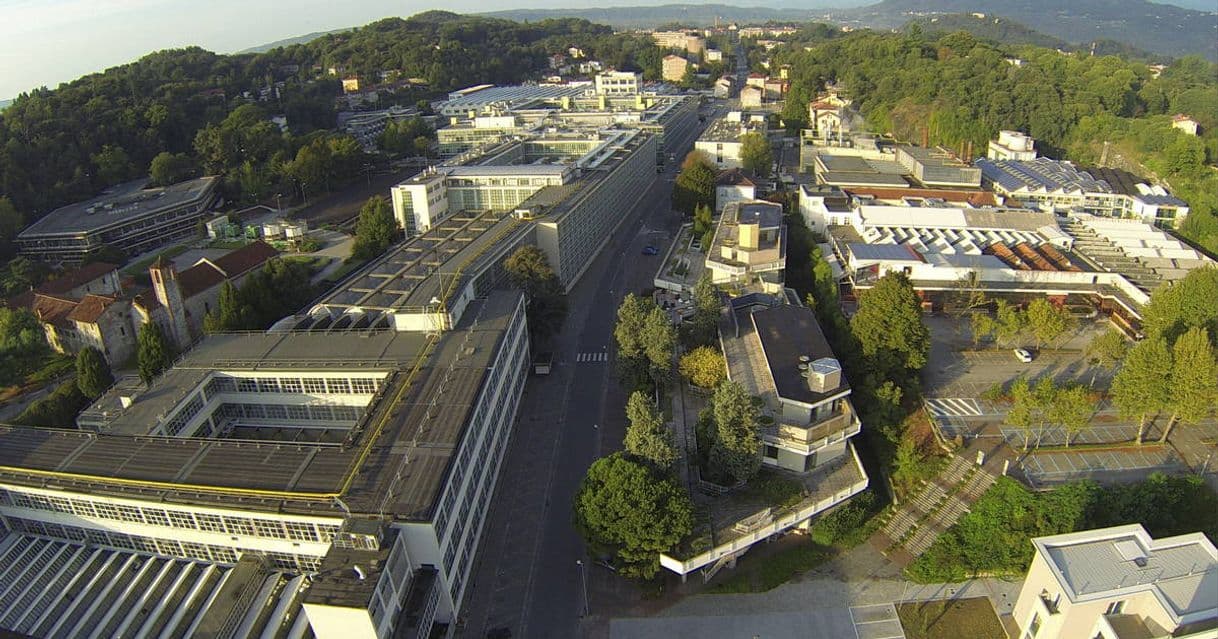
[954,407]
[592,357]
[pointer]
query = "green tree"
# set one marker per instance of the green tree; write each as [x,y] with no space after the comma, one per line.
[1071,409]
[170,168]
[695,184]
[755,154]
[703,326]
[646,339]
[529,270]
[113,165]
[702,220]
[1142,387]
[659,342]
[93,375]
[21,334]
[704,367]
[1009,322]
[890,330]
[1046,321]
[1192,301]
[1030,405]
[1194,379]
[1106,350]
[982,326]
[230,313]
[647,438]
[736,452]
[11,223]
[154,352]
[624,508]
[375,229]
[57,410]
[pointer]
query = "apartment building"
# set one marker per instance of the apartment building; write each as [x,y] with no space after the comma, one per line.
[618,83]
[673,68]
[303,480]
[721,140]
[1119,583]
[683,40]
[749,248]
[131,217]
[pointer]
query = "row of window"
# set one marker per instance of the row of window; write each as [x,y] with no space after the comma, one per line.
[183,417]
[207,522]
[293,385]
[166,547]
[295,412]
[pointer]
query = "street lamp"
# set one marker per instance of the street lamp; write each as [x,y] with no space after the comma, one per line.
[583,576]
[278,206]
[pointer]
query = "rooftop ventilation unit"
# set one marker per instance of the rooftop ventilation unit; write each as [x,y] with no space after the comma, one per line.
[824,375]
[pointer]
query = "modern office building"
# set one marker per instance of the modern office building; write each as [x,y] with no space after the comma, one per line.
[332,481]
[131,217]
[1060,187]
[777,352]
[1119,583]
[460,136]
[749,249]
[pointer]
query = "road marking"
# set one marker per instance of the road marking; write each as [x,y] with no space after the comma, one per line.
[954,407]
[592,357]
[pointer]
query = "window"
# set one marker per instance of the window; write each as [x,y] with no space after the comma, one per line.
[1115,607]
[314,386]
[1033,627]
[247,386]
[363,385]
[771,452]
[337,385]
[290,385]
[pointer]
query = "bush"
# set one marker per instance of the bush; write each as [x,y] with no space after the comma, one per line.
[57,410]
[847,523]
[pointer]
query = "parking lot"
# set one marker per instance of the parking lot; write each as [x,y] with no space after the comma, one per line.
[1049,468]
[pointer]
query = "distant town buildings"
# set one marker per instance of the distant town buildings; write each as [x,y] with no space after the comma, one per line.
[1119,582]
[691,43]
[618,83]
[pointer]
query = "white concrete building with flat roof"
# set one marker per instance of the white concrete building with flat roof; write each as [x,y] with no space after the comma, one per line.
[1119,583]
[1012,145]
[618,83]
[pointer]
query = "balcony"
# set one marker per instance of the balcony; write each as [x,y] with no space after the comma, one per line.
[842,425]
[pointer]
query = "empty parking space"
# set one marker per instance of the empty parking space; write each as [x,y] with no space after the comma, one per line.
[1056,436]
[1066,466]
[877,621]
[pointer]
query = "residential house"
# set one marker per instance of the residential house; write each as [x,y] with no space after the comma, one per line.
[733,185]
[1185,123]
[751,96]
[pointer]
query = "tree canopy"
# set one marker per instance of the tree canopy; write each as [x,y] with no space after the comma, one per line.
[624,508]
[647,438]
[889,328]
[529,270]
[735,454]
[756,156]
[1142,387]
[375,229]
[695,184]
[93,375]
[704,367]
[153,351]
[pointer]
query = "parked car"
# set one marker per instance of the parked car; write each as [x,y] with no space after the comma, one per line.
[1023,355]
[650,250]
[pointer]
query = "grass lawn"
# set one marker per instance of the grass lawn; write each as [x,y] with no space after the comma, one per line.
[973,618]
[768,571]
[141,267]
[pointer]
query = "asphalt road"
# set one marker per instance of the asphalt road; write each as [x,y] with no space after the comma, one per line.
[527,578]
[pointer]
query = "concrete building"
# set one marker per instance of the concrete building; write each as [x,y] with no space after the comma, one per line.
[673,68]
[367,126]
[1061,187]
[723,87]
[714,55]
[733,185]
[749,249]
[686,41]
[187,511]
[463,135]
[937,167]
[483,98]
[721,140]
[618,83]
[778,353]
[1185,123]
[1119,583]
[1012,145]
[752,97]
[131,217]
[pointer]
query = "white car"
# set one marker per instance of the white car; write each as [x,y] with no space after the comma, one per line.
[1023,355]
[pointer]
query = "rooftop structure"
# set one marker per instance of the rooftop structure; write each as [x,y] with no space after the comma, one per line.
[937,167]
[845,171]
[1012,145]
[506,97]
[131,217]
[1055,185]
[1120,582]
[721,140]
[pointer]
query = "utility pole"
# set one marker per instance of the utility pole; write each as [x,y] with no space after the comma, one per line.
[583,576]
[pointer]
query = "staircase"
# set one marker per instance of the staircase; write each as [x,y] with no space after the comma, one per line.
[914,526]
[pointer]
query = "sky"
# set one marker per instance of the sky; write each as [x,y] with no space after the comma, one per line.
[46,42]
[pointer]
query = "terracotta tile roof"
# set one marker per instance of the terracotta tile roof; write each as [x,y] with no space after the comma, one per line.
[51,310]
[77,277]
[208,273]
[90,308]
[199,278]
[248,257]
[976,198]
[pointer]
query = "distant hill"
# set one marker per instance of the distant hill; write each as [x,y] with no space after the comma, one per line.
[287,42]
[686,14]
[991,28]
[1158,28]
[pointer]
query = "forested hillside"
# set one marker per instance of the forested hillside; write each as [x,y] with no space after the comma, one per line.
[961,89]
[61,145]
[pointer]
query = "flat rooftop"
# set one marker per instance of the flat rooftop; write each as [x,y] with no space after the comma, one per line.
[1041,174]
[515,95]
[787,333]
[395,460]
[1181,570]
[121,203]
